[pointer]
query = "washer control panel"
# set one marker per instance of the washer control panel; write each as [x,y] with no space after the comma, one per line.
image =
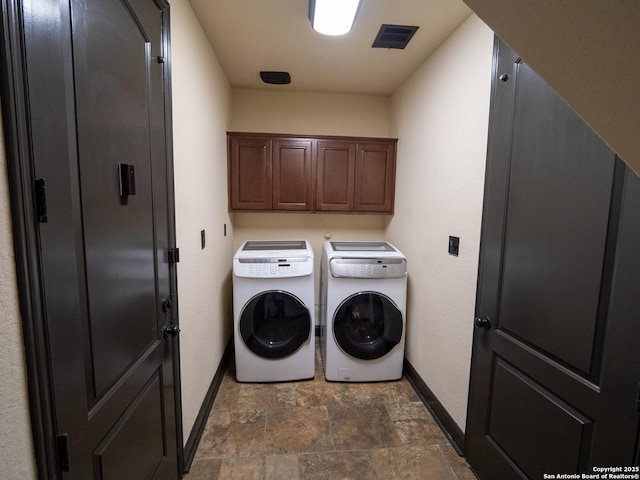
[272,267]
[368,267]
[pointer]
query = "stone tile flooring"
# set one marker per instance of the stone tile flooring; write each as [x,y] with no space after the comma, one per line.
[314,429]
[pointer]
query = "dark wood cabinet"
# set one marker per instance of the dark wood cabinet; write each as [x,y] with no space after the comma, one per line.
[375,177]
[269,172]
[336,166]
[250,173]
[292,174]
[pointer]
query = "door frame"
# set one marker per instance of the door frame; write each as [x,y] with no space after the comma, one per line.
[20,169]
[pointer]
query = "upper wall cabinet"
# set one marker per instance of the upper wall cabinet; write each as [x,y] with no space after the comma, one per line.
[313,174]
[292,173]
[375,177]
[270,174]
[355,175]
[336,175]
[250,168]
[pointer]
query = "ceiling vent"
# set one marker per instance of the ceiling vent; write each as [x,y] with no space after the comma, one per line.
[394,36]
[276,78]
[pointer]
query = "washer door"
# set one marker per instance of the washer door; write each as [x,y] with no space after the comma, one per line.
[275,324]
[367,325]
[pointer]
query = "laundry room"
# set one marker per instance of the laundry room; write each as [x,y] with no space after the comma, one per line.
[432,200]
[437,117]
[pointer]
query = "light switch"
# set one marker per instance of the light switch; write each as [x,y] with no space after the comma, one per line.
[454,245]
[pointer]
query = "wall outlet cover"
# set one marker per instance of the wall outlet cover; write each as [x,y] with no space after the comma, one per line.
[454,245]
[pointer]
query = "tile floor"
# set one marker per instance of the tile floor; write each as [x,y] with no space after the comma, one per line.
[315,429]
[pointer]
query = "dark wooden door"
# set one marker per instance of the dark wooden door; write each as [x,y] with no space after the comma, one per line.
[98,97]
[250,170]
[335,170]
[375,177]
[556,364]
[292,174]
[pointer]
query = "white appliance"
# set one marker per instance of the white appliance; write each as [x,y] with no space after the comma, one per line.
[273,311]
[363,295]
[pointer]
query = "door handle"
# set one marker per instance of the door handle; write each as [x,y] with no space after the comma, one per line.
[172,329]
[482,322]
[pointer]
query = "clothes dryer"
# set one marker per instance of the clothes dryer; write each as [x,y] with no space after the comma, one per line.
[363,291]
[273,311]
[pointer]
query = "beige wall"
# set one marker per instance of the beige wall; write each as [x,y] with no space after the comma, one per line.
[587,51]
[16,448]
[309,113]
[440,116]
[201,97]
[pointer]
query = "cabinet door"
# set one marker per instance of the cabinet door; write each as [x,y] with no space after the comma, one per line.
[250,174]
[292,174]
[335,175]
[375,177]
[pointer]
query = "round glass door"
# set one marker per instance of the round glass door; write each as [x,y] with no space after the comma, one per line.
[367,325]
[275,324]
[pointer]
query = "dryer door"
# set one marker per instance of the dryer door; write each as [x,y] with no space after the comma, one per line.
[275,324]
[367,325]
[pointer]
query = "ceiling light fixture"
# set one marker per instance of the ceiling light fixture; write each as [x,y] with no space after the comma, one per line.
[333,17]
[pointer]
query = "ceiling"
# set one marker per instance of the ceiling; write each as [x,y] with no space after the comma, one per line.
[253,35]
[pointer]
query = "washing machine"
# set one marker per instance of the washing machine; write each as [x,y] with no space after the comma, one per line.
[273,311]
[363,295]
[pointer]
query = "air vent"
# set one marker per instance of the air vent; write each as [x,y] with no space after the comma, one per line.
[394,36]
[276,78]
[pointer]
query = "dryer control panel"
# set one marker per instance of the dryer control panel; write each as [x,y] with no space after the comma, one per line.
[368,267]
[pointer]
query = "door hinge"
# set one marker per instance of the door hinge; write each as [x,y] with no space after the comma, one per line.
[63,452]
[41,200]
[174,255]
